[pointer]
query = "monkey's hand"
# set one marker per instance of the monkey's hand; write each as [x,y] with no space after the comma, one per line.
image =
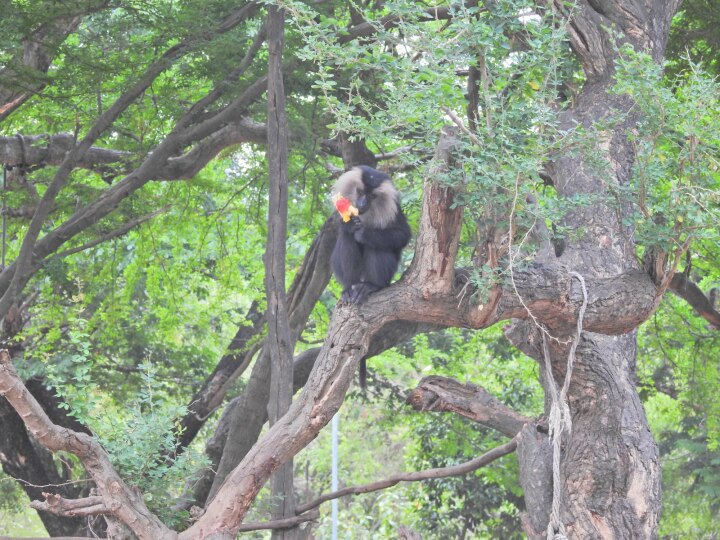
[357,228]
[353,226]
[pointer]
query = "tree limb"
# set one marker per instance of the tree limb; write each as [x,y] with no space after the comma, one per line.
[88,506]
[285,523]
[442,394]
[123,502]
[418,476]
[51,150]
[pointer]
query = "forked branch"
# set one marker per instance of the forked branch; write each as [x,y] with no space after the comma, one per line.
[115,495]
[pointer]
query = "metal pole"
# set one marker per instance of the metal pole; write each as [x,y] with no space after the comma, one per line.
[4,214]
[334,481]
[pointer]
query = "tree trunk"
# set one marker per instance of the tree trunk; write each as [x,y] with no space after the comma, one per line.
[609,474]
[279,341]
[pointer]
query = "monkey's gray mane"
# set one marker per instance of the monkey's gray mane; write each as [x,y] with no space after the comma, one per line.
[382,210]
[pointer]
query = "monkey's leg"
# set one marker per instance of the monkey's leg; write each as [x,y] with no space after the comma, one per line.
[360,291]
[379,266]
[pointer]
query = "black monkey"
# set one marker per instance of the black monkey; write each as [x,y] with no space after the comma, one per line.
[368,247]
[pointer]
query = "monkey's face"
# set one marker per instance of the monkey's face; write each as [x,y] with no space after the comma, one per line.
[374,195]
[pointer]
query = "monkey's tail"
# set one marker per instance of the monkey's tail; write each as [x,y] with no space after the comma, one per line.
[363,373]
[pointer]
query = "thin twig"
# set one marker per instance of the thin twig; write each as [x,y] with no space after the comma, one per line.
[441,472]
[459,123]
[114,234]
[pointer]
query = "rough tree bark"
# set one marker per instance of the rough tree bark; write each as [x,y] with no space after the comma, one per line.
[24,459]
[610,471]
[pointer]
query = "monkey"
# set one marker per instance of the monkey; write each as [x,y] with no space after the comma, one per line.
[367,251]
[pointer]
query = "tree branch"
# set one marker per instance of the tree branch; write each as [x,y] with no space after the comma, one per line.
[123,502]
[418,476]
[367,29]
[285,523]
[120,231]
[88,506]
[51,150]
[442,394]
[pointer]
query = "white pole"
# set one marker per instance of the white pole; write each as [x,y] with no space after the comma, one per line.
[334,481]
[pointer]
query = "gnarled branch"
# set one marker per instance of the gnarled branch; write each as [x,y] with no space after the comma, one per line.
[442,394]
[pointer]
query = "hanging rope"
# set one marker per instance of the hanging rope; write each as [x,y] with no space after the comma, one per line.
[559,420]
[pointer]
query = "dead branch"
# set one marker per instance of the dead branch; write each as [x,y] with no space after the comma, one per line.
[442,394]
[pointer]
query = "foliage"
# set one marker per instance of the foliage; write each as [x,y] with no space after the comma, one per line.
[694,38]
[679,377]
[676,182]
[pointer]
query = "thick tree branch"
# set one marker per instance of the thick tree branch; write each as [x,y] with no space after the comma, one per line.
[418,476]
[88,506]
[285,523]
[124,503]
[51,150]
[442,394]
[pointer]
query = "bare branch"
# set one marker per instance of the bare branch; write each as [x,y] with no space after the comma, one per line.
[442,394]
[123,502]
[88,506]
[418,476]
[459,123]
